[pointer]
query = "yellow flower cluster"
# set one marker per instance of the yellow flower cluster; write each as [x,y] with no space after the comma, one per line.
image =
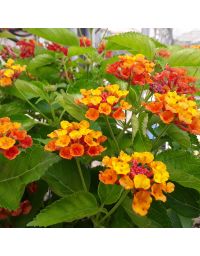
[10,72]
[140,173]
[106,100]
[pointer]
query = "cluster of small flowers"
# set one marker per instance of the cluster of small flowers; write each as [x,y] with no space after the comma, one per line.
[101,48]
[7,52]
[179,109]
[27,48]
[10,73]
[75,140]
[173,79]
[84,41]
[24,209]
[105,100]
[57,48]
[12,138]
[134,69]
[141,174]
[164,53]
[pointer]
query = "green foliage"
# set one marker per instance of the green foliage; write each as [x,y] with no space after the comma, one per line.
[16,174]
[109,194]
[58,35]
[76,206]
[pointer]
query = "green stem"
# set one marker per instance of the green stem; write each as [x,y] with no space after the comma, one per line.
[160,135]
[112,134]
[123,196]
[81,174]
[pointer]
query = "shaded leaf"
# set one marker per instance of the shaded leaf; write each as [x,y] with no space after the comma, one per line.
[109,194]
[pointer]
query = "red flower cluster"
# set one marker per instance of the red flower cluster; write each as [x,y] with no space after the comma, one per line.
[32,187]
[7,52]
[75,140]
[27,48]
[164,53]
[173,79]
[57,48]
[101,48]
[134,69]
[85,42]
[12,138]
[24,209]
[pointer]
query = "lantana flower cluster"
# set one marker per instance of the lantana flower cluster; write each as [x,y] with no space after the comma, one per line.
[10,72]
[134,69]
[173,79]
[105,100]
[102,48]
[12,138]
[164,53]
[141,174]
[27,48]
[178,109]
[76,140]
[57,48]
[24,209]
[84,41]
[7,52]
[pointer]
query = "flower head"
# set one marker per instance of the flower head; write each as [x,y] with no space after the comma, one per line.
[10,72]
[140,174]
[12,138]
[173,79]
[27,48]
[179,109]
[107,101]
[57,48]
[135,69]
[75,140]
[85,42]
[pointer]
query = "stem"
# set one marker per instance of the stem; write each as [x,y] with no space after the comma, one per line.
[160,135]
[112,134]
[81,174]
[124,194]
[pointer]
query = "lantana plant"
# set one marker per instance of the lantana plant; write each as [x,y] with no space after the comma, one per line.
[93,138]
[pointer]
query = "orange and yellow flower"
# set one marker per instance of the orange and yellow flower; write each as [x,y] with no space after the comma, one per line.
[179,109]
[140,173]
[134,69]
[75,140]
[10,73]
[107,101]
[12,138]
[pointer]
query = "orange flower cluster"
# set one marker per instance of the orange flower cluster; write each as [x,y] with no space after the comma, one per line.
[76,139]
[179,109]
[24,209]
[134,69]
[106,100]
[141,174]
[10,73]
[12,138]
[164,53]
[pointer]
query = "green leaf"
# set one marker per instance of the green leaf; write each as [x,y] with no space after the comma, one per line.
[142,143]
[16,174]
[183,167]
[132,41]
[73,207]
[135,126]
[176,134]
[185,57]
[68,103]
[63,177]
[15,107]
[184,201]
[143,121]
[76,50]
[109,194]
[175,220]
[7,34]
[40,61]
[58,35]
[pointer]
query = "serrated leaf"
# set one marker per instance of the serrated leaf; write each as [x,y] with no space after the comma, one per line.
[15,174]
[73,207]
[58,35]
[135,126]
[183,167]
[132,41]
[185,57]
[179,136]
[143,122]
[63,177]
[109,194]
